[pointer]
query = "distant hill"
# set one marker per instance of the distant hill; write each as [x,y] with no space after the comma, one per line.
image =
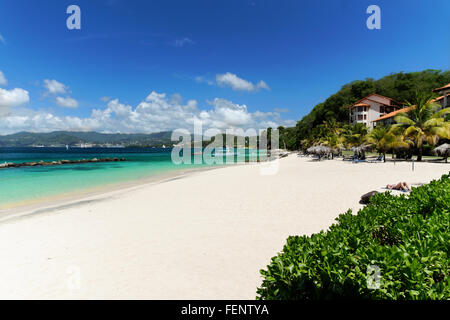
[62,138]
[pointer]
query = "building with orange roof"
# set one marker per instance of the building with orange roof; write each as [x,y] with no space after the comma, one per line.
[443,100]
[370,108]
[388,119]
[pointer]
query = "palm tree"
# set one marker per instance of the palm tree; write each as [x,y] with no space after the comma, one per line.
[423,123]
[354,135]
[384,139]
[332,126]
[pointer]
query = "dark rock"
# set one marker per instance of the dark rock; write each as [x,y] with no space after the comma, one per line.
[55,163]
[365,198]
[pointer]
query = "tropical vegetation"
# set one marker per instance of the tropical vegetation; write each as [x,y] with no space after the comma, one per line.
[424,122]
[396,247]
[415,132]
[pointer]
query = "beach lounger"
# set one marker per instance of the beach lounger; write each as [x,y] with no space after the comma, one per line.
[377,160]
[405,191]
[352,158]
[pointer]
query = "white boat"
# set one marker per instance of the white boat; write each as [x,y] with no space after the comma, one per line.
[226,152]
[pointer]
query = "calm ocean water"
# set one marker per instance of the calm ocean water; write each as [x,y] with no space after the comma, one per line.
[32,183]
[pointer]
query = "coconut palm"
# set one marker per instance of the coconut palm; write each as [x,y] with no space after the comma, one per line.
[383,139]
[354,135]
[333,141]
[423,123]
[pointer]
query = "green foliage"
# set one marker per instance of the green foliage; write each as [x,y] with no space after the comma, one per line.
[400,86]
[383,140]
[423,123]
[355,135]
[407,238]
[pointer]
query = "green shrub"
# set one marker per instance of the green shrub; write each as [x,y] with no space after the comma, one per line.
[406,238]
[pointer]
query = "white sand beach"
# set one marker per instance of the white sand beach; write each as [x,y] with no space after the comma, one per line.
[204,236]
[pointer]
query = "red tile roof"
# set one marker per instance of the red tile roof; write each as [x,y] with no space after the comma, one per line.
[358,103]
[440,98]
[394,113]
[447,86]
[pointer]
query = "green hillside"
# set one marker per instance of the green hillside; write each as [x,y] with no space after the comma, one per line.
[399,86]
[23,139]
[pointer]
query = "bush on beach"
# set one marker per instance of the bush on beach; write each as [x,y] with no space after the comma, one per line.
[407,238]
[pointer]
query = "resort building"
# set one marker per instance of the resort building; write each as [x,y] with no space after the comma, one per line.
[388,119]
[444,99]
[371,108]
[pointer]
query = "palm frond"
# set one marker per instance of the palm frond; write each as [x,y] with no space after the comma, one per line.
[404,120]
[441,113]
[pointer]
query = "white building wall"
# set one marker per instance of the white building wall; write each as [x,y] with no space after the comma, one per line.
[372,112]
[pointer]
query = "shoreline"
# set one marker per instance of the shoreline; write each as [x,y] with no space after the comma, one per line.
[28,208]
[203,235]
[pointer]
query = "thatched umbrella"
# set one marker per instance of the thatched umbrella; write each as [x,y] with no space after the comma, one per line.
[360,150]
[324,150]
[319,150]
[443,150]
[311,150]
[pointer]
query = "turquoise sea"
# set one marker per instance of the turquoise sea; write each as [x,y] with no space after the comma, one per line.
[19,185]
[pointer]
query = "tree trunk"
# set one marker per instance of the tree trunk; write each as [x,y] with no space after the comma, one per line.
[384,156]
[419,155]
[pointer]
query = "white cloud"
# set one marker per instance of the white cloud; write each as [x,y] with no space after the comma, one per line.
[156,113]
[3,81]
[55,87]
[66,102]
[176,98]
[182,42]
[236,83]
[12,98]
[2,40]
[262,85]
[201,79]
[105,99]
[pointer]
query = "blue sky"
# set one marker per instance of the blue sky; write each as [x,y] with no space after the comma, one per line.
[247,62]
